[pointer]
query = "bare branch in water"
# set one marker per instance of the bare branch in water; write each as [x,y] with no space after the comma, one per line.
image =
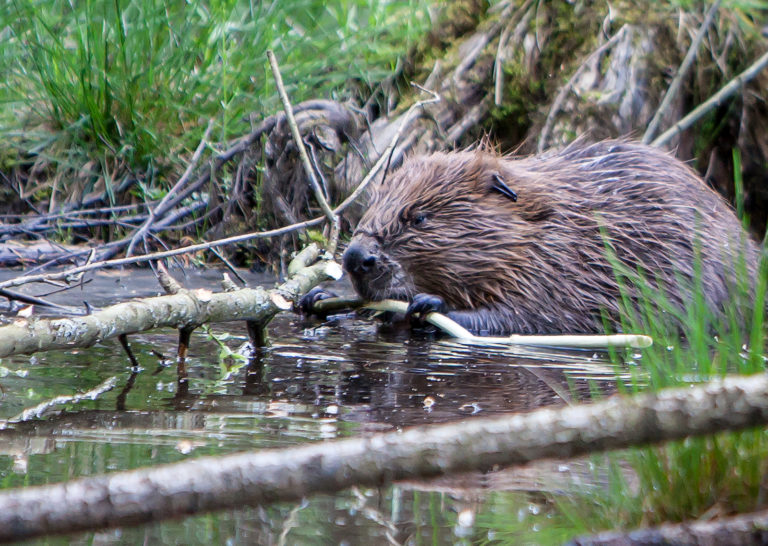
[288,475]
[36,412]
[185,309]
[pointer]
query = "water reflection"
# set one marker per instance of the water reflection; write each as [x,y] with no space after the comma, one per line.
[315,382]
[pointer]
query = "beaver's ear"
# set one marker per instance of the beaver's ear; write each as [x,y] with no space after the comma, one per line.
[499,185]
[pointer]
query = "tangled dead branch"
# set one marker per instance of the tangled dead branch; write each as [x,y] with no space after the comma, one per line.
[612,92]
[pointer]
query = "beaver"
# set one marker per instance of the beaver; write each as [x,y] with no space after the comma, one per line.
[548,243]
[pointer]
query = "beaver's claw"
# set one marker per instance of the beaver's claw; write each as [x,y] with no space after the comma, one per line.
[423,304]
[307,301]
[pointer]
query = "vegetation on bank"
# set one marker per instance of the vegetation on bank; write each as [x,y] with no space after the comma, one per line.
[112,98]
[94,94]
[702,478]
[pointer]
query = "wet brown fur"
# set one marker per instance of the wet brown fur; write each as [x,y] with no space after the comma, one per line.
[538,265]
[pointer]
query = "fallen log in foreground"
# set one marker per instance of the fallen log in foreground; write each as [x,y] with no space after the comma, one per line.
[234,481]
[745,530]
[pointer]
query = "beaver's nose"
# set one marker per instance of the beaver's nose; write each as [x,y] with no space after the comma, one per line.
[358,259]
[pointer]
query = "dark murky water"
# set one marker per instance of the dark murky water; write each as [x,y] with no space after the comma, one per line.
[317,381]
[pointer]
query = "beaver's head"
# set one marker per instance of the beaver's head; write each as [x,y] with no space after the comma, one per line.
[442,224]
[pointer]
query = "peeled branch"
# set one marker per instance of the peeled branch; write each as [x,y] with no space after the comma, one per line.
[635,341]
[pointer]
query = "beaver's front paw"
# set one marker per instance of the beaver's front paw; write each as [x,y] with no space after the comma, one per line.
[307,302]
[423,304]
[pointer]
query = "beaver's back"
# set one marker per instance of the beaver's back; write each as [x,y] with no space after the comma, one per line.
[652,211]
[449,224]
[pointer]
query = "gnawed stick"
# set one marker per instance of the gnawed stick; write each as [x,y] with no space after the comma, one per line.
[454,329]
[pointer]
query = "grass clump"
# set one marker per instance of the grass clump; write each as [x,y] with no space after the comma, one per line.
[695,478]
[131,84]
[702,477]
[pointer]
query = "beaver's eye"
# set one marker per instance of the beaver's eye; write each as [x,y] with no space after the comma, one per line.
[419,219]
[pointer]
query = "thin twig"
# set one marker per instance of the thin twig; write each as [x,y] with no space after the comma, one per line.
[229,266]
[566,89]
[291,120]
[36,412]
[714,101]
[674,87]
[385,155]
[240,146]
[161,209]
[169,219]
[37,300]
[326,208]
[18,281]
[63,288]
[32,224]
[382,160]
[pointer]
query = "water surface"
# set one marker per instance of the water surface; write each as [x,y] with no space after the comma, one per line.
[317,381]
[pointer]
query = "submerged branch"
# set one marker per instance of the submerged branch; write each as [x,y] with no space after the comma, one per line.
[42,408]
[287,475]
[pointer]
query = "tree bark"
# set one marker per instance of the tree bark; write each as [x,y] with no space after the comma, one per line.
[747,529]
[237,480]
[186,309]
